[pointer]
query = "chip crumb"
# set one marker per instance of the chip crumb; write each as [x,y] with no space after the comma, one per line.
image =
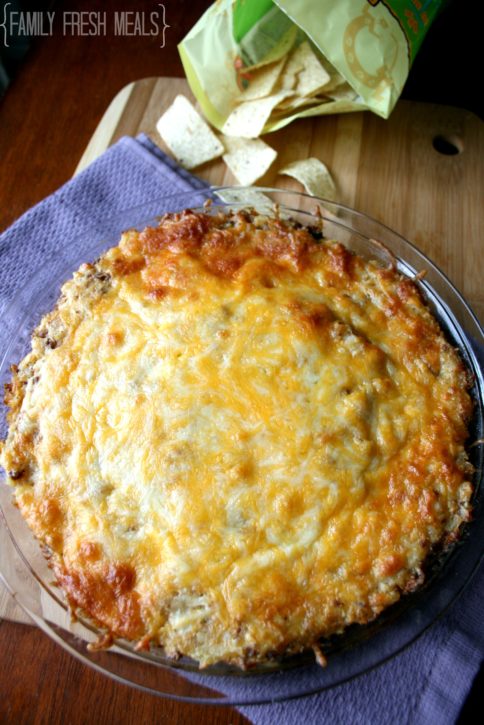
[319,656]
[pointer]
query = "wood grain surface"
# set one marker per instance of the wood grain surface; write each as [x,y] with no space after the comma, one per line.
[72,693]
[387,169]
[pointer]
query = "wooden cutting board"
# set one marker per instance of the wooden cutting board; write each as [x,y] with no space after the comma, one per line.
[388,169]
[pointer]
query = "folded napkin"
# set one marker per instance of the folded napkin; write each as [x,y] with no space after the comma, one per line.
[426,683]
[127,175]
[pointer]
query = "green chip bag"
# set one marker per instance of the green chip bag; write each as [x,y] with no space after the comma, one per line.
[320,56]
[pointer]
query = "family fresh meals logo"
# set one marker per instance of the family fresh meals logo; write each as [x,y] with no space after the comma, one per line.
[87,23]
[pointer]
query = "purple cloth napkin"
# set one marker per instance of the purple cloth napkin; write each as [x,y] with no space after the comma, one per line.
[426,684]
[429,681]
[127,175]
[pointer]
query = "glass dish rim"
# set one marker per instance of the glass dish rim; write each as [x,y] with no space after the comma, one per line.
[208,192]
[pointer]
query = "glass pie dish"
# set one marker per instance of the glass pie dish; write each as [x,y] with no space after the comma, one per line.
[361,647]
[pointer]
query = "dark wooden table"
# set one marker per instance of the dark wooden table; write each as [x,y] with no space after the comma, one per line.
[46,119]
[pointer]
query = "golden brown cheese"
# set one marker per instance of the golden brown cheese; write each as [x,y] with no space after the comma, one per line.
[235,440]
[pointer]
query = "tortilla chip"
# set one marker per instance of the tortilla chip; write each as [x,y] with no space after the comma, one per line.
[248,159]
[249,118]
[289,73]
[313,76]
[344,93]
[336,81]
[262,81]
[314,176]
[186,134]
[295,102]
[246,198]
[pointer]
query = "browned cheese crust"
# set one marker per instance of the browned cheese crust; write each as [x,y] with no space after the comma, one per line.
[233,438]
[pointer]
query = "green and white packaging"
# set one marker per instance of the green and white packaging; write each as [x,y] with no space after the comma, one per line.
[370,43]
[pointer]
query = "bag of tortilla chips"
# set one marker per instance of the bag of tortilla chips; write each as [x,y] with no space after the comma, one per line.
[255,65]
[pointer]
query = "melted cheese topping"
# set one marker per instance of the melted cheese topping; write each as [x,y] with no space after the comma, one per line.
[235,446]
